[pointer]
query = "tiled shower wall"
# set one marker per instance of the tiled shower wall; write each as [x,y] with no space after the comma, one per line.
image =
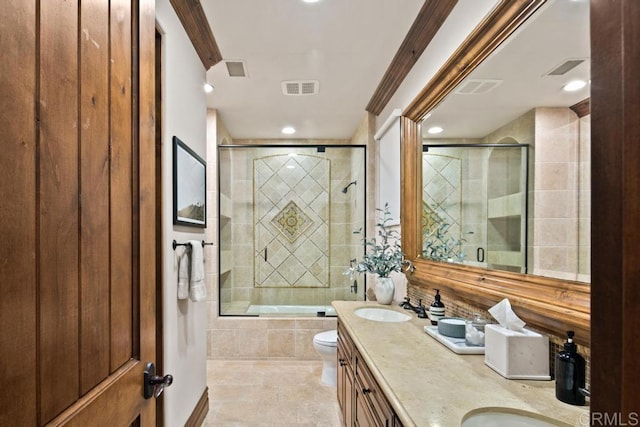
[559,189]
[472,190]
[559,230]
[520,131]
[584,209]
[256,282]
[268,337]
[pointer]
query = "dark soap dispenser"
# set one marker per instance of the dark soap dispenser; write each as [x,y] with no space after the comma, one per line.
[436,310]
[570,373]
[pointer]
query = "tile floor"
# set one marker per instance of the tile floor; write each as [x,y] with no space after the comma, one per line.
[269,393]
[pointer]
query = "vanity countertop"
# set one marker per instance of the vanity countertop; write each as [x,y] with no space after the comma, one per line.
[429,385]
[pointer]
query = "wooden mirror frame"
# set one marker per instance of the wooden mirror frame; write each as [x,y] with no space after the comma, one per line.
[550,305]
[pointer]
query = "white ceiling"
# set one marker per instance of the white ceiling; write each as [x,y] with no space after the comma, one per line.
[346,45]
[558,32]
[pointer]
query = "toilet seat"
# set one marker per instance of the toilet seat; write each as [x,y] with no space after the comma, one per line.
[327,338]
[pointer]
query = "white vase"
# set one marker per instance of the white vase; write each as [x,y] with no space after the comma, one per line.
[385,290]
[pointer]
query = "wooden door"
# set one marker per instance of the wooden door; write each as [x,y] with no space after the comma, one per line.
[77,211]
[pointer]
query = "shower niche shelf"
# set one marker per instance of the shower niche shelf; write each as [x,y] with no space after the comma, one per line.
[513,258]
[507,206]
[504,206]
[226,206]
[225,261]
[226,215]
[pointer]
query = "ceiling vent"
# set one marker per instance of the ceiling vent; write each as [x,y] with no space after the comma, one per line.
[236,68]
[477,86]
[300,87]
[565,67]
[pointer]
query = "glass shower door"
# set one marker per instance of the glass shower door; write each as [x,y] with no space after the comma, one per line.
[475,204]
[287,216]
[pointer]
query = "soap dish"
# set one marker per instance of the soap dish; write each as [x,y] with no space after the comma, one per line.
[457,345]
[451,327]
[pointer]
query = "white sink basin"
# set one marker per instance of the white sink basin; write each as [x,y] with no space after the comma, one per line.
[507,417]
[381,314]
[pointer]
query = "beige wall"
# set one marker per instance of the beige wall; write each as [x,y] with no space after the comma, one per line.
[557,222]
[584,203]
[559,190]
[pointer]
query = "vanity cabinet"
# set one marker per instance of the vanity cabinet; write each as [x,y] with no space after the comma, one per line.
[371,406]
[361,400]
[345,375]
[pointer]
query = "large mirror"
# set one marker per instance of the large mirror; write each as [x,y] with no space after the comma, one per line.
[527,173]
[505,163]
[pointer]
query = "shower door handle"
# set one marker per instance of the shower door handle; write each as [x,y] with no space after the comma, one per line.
[265,253]
[480,255]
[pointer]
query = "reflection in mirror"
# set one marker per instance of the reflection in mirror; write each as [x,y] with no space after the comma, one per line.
[526,210]
[474,205]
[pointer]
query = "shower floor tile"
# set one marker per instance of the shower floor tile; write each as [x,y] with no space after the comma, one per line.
[269,393]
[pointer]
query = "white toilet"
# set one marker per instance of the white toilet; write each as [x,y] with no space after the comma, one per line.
[326,345]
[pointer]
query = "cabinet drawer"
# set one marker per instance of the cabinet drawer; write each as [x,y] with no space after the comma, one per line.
[382,412]
[363,411]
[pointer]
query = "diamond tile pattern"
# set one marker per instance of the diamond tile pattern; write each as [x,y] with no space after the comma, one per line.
[442,189]
[291,221]
[291,206]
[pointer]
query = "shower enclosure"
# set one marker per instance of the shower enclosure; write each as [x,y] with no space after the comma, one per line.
[475,203]
[287,216]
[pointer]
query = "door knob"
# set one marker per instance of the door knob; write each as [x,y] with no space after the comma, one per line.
[154,384]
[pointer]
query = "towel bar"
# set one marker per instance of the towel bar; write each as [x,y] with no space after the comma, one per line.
[176,244]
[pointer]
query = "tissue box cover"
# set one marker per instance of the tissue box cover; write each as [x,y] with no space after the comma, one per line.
[517,355]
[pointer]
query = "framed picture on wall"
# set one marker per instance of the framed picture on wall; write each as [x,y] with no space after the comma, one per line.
[189,186]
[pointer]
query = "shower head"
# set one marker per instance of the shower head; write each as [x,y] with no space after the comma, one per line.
[345,189]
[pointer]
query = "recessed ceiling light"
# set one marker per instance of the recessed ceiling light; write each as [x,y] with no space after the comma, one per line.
[435,129]
[311,1]
[208,87]
[288,130]
[574,85]
[293,154]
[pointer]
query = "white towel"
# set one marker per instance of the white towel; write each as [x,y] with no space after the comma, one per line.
[197,288]
[183,273]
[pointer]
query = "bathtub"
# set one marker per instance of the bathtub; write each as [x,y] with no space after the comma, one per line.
[289,310]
